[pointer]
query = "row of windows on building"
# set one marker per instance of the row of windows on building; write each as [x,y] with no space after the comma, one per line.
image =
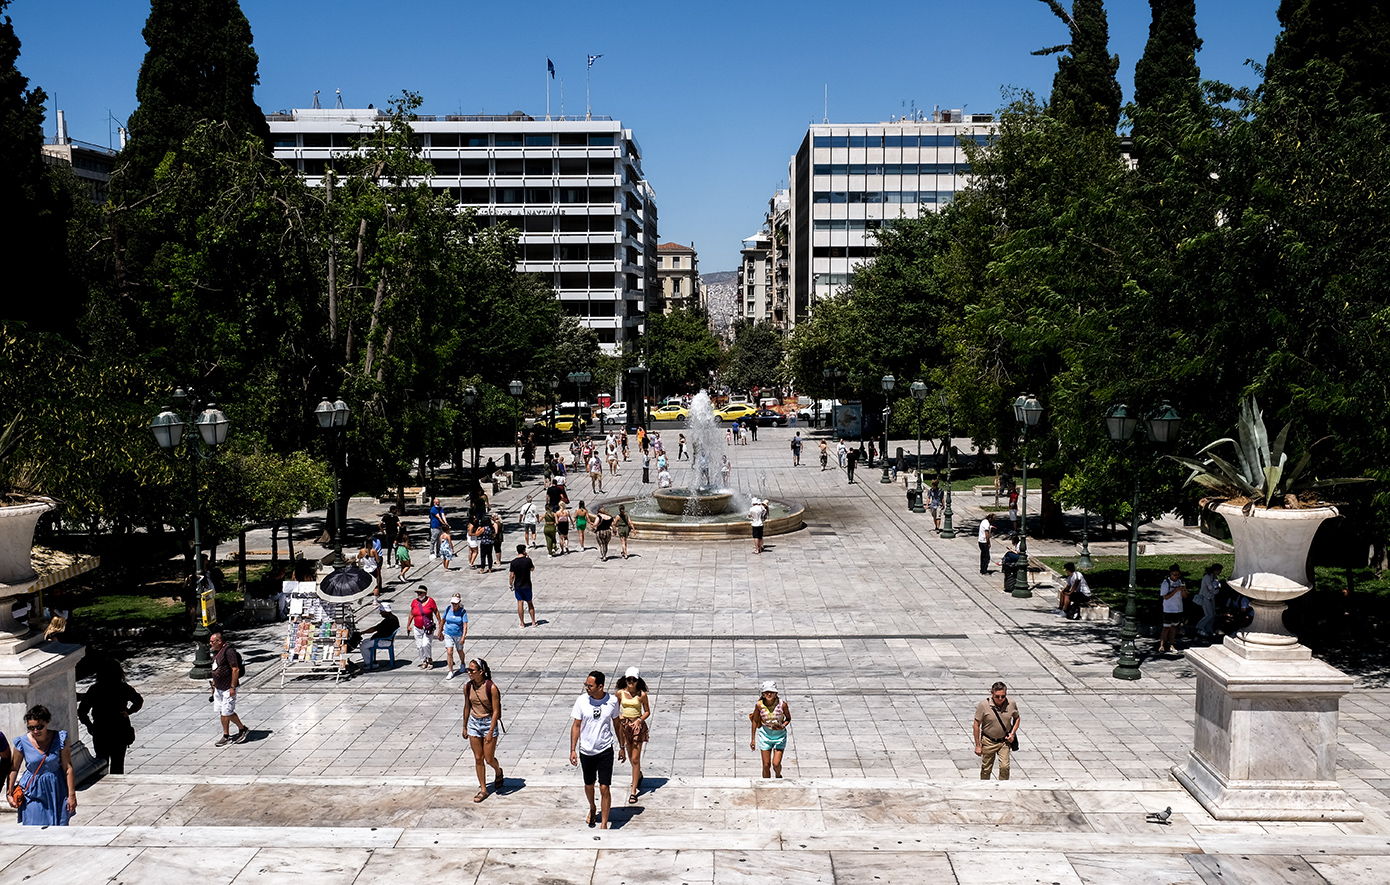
[844,251]
[605,280]
[577,252]
[450,140]
[892,169]
[545,224]
[884,196]
[895,141]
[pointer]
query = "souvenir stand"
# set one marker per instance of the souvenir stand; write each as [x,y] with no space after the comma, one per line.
[316,635]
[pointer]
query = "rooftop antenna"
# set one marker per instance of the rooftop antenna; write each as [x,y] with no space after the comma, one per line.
[826,118]
[339,104]
[315,104]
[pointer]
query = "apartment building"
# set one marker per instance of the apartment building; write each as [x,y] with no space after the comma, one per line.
[847,180]
[572,186]
[755,277]
[678,277]
[91,163]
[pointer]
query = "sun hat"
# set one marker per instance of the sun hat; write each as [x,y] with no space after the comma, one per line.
[383,606]
[422,589]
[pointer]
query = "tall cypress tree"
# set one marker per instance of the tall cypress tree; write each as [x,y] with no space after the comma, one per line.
[1085,92]
[200,66]
[1353,35]
[1167,75]
[33,246]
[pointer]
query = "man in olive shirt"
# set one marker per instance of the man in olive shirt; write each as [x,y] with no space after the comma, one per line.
[996,723]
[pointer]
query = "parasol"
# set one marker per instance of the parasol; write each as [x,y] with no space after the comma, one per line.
[346,585]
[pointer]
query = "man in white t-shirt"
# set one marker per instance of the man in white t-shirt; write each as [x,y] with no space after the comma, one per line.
[530,514]
[591,742]
[757,515]
[985,530]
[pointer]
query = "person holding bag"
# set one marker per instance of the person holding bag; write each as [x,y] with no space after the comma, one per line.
[48,795]
[996,731]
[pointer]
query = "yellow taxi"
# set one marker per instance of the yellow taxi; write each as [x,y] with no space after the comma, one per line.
[735,412]
[671,413]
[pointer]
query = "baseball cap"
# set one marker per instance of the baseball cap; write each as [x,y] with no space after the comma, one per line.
[456,598]
[769,685]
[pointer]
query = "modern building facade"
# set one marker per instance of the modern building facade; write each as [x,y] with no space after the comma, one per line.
[573,188]
[92,164]
[678,277]
[764,279]
[850,179]
[755,278]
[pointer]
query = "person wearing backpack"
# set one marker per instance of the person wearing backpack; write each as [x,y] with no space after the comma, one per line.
[483,702]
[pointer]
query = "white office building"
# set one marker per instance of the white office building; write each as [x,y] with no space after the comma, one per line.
[849,179]
[573,188]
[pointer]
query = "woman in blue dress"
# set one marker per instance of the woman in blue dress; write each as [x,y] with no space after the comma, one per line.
[50,795]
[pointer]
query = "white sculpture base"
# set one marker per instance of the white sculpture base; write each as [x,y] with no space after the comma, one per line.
[1266,734]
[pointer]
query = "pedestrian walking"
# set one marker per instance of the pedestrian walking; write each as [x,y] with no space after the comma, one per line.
[519,578]
[530,513]
[595,473]
[483,701]
[824,455]
[622,441]
[226,676]
[757,516]
[562,528]
[485,532]
[1013,506]
[390,524]
[106,709]
[446,548]
[438,523]
[1172,591]
[1206,598]
[548,528]
[770,718]
[49,796]
[680,449]
[611,450]
[851,459]
[624,526]
[453,632]
[425,622]
[591,743]
[603,532]
[935,499]
[796,449]
[474,545]
[986,529]
[496,537]
[635,709]
[402,544]
[725,468]
[841,453]
[581,522]
[996,731]
[646,466]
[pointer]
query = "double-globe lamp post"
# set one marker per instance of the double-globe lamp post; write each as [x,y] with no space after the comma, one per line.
[470,396]
[919,393]
[888,382]
[517,388]
[1027,412]
[1160,428]
[212,425]
[334,417]
[948,531]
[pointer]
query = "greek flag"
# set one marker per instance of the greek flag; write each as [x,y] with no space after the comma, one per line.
[594,58]
[550,66]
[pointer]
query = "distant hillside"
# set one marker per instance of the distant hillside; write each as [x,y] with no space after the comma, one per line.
[721,291]
[720,276]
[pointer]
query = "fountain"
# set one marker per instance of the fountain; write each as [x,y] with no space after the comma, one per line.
[703,508]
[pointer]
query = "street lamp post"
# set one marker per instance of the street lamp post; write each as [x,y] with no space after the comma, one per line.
[919,393]
[554,385]
[1160,428]
[1084,561]
[470,396]
[888,382]
[334,416]
[1027,412]
[579,379]
[947,530]
[212,425]
[516,388]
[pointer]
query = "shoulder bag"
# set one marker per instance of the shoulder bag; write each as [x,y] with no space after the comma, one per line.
[18,794]
[1013,744]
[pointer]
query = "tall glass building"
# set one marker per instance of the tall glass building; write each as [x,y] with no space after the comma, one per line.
[849,179]
[573,188]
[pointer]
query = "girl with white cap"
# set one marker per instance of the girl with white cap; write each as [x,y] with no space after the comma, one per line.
[635,708]
[770,718]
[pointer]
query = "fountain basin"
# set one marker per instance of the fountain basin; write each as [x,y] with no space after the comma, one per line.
[651,523]
[677,502]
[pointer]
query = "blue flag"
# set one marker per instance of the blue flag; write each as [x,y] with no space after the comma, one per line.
[550,66]
[594,58]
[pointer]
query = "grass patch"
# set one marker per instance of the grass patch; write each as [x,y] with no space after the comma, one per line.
[156,603]
[968,483]
[1109,578]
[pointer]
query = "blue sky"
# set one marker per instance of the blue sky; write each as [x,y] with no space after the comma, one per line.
[718,94]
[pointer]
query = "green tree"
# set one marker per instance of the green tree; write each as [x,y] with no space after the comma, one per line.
[1085,92]
[200,67]
[680,349]
[1352,35]
[1167,73]
[755,359]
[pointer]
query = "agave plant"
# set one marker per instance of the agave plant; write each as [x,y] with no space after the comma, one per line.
[1260,472]
[17,478]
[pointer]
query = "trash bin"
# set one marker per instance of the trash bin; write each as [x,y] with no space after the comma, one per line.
[1011,573]
[914,500]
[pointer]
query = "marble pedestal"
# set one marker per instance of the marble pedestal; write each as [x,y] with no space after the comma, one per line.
[1266,735]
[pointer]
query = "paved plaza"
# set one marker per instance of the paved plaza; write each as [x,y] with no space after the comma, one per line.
[882,638]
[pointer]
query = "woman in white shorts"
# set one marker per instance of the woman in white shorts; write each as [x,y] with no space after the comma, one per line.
[473,542]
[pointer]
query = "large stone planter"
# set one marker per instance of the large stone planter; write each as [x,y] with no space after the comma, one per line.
[17,539]
[1265,742]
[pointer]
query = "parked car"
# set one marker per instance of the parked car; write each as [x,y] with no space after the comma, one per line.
[735,411]
[769,418]
[670,413]
[616,413]
[807,412]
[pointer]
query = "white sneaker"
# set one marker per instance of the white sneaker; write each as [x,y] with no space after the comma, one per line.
[452,674]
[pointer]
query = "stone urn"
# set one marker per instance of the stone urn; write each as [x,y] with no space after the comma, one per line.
[1271,547]
[17,525]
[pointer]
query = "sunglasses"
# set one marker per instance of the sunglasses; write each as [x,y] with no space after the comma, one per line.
[36,727]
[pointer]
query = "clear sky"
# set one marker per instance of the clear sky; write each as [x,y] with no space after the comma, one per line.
[717,94]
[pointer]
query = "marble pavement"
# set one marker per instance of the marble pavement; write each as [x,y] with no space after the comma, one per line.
[882,638]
